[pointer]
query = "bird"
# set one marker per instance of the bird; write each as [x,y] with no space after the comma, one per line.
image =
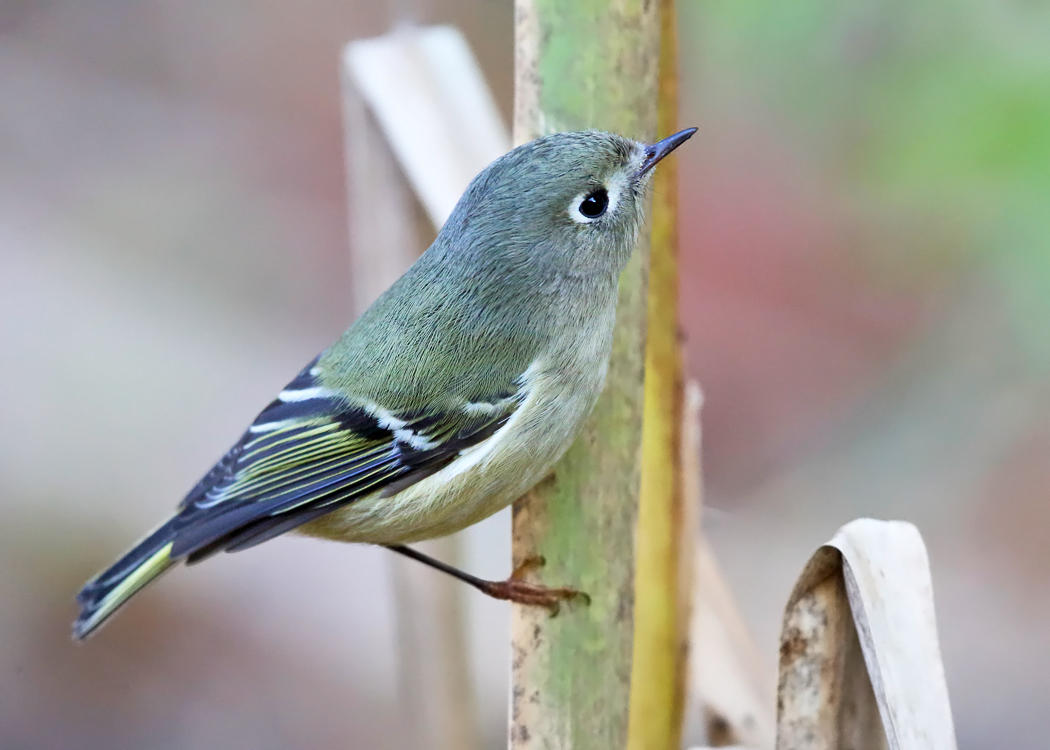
[451,396]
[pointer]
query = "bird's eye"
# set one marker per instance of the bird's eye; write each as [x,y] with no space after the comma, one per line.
[594,204]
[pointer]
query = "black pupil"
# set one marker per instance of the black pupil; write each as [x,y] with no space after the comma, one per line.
[594,205]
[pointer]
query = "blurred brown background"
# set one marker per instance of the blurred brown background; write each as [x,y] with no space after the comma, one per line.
[866,290]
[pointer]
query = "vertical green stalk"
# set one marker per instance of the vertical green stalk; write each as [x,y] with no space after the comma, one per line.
[661,600]
[586,64]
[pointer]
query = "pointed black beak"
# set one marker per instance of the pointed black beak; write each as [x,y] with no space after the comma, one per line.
[657,151]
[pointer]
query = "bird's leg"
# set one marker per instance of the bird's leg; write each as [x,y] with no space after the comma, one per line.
[513,589]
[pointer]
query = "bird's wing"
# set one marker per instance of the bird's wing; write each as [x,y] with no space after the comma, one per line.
[312,450]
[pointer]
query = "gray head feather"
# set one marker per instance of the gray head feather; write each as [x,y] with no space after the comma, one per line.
[517,271]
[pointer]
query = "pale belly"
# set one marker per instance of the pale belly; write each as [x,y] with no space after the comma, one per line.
[483,479]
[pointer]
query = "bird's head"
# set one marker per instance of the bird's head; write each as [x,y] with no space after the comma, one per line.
[567,203]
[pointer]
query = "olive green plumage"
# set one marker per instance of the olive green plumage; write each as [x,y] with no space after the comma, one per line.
[453,394]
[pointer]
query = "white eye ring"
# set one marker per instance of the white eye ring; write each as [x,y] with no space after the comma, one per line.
[588,207]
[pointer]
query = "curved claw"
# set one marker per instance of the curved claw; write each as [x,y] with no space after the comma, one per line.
[529,563]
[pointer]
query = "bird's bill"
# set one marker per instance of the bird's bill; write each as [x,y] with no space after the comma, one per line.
[657,151]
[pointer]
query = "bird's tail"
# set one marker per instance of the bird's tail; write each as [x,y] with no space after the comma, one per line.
[105,593]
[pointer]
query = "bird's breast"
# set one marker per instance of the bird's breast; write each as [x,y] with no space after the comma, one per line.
[561,387]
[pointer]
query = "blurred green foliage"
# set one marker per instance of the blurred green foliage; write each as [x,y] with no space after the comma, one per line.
[935,111]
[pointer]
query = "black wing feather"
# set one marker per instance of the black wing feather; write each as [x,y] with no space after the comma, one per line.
[310,452]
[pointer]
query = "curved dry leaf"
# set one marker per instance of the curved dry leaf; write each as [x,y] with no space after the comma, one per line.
[860,665]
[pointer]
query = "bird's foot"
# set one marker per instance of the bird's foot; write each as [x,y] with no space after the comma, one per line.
[515,589]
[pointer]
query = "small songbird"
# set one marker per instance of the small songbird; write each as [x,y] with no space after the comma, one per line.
[452,395]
